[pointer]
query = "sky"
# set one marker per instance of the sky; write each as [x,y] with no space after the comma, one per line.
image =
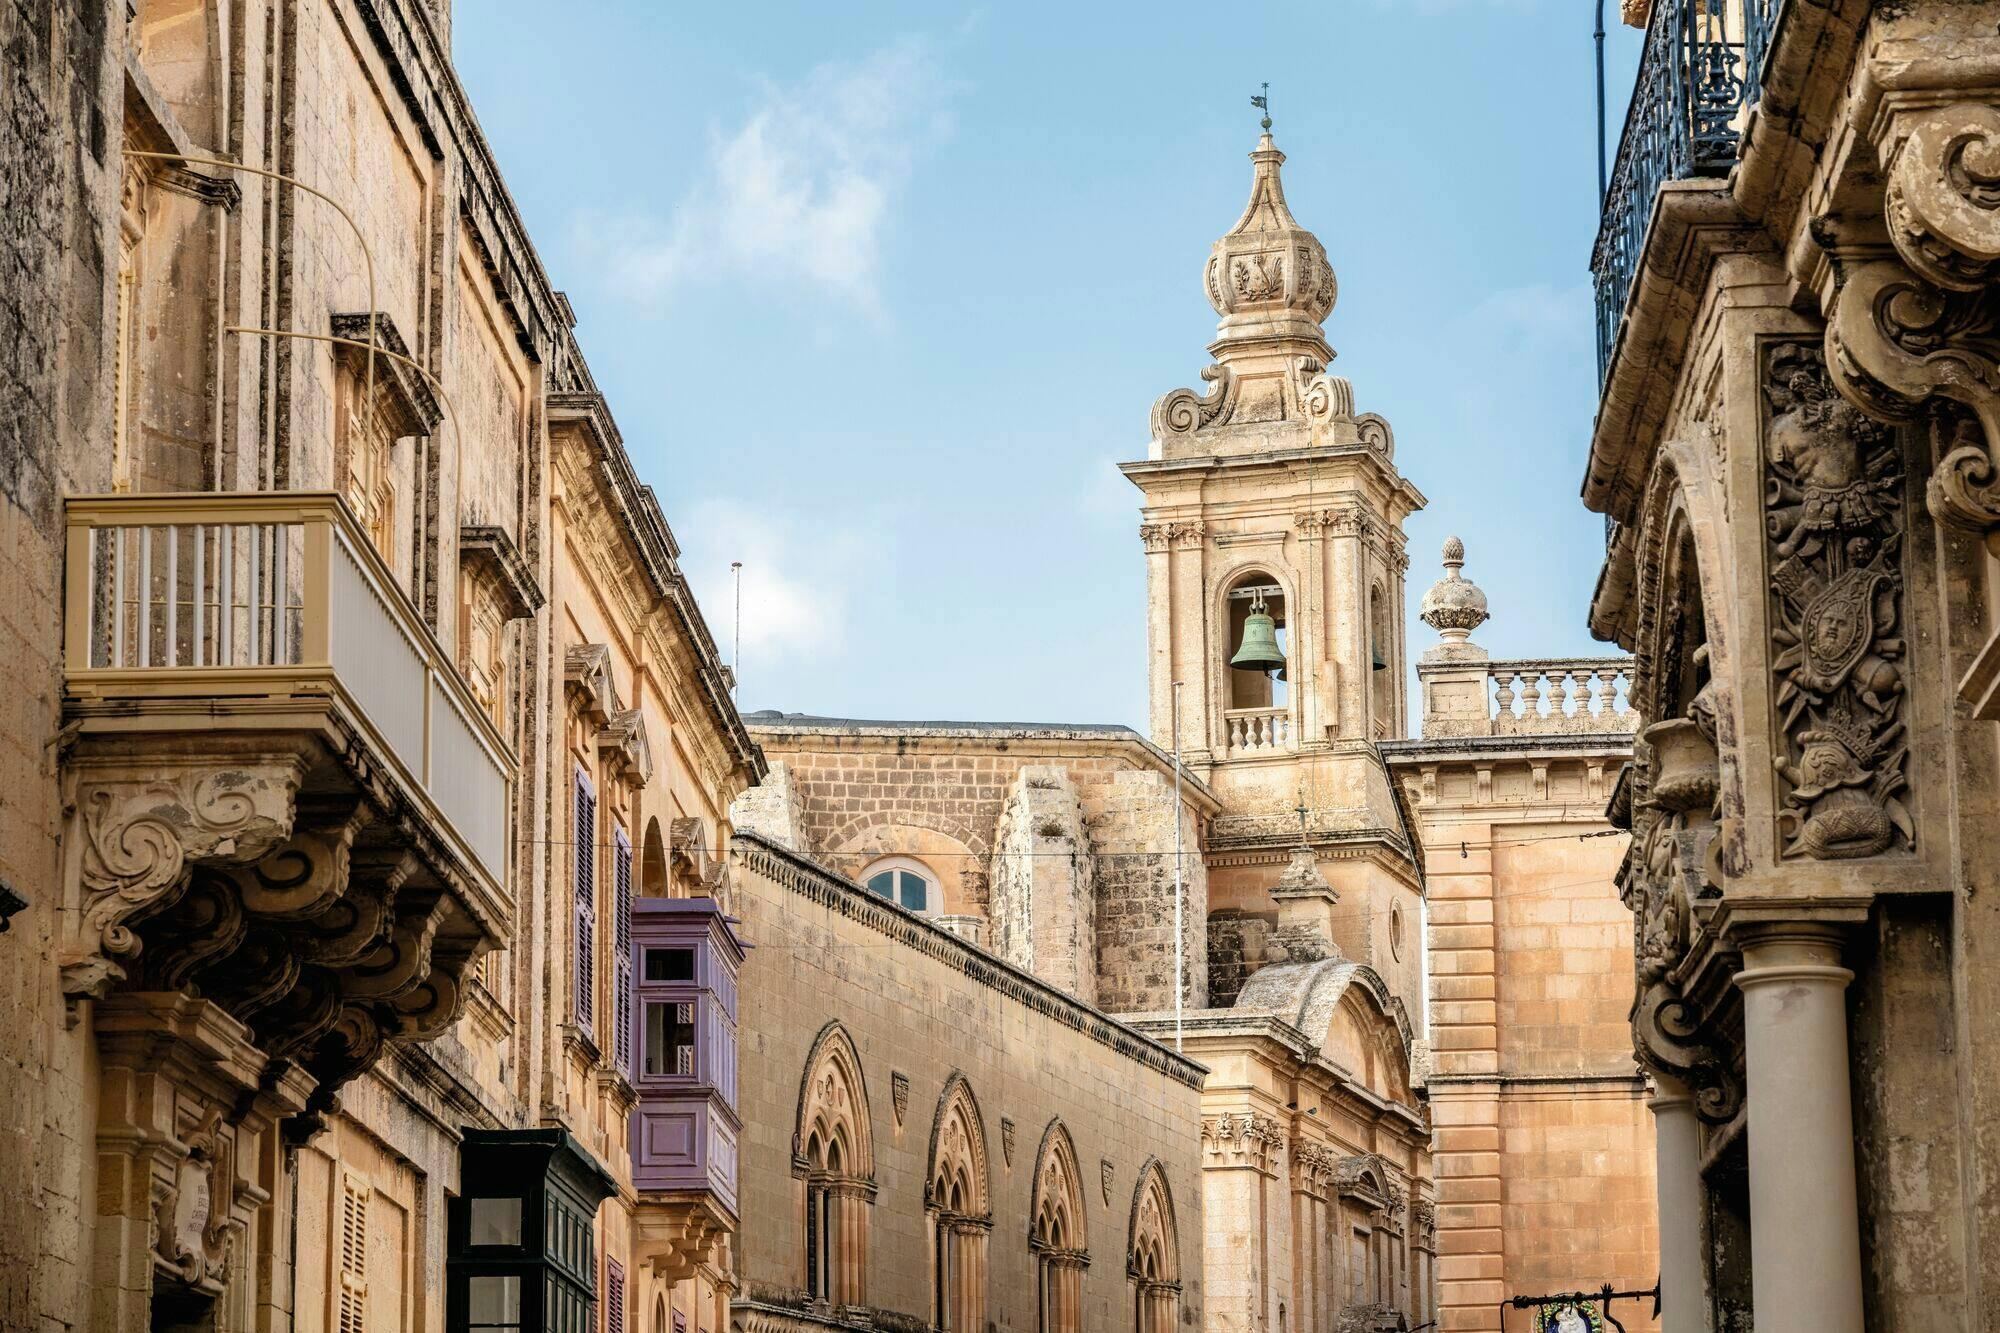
[881,293]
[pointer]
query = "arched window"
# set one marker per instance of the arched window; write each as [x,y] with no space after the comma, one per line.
[1252,685]
[905,881]
[1057,1237]
[1154,1254]
[961,1215]
[1382,665]
[833,1153]
[654,874]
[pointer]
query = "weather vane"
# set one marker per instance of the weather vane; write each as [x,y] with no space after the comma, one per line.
[1263,103]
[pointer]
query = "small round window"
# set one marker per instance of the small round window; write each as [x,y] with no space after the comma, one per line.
[1396,931]
[904,884]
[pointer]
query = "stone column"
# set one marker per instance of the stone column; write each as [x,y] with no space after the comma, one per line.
[1677,1156]
[1805,1239]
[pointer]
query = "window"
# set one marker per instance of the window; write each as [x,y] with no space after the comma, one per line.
[583,866]
[669,1040]
[494,1222]
[960,1213]
[833,1150]
[670,964]
[1154,1262]
[621,964]
[494,1300]
[1257,628]
[614,1296]
[906,883]
[1057,1239]
[482,640]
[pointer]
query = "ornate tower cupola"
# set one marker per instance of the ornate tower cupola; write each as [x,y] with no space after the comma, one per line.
[1269,278]
[1273,527]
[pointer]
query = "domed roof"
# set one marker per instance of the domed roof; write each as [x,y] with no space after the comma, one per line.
[1454,606]
[1268,277]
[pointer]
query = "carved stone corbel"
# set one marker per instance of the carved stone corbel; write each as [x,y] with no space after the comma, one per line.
[141,836]
[1942,204]
[1894,342]
[1667,1035]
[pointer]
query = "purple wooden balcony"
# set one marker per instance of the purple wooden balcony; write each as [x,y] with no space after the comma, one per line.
[685,1127]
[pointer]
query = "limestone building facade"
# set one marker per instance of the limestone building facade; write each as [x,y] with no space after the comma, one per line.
[359,697]
[936,1139]
[1543,1146]
[1794,453]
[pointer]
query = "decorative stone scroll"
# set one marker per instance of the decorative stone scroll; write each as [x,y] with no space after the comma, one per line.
[1668,803]
[1833,515]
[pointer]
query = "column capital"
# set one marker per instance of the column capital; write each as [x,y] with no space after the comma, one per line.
[1791,951]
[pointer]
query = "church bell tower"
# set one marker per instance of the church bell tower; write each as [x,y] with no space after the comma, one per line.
[1273,530]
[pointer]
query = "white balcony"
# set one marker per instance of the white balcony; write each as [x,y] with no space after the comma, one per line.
[285,805]
[175,599]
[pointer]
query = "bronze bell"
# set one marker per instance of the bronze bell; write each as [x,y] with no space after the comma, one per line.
[1380,663]
[1259,650]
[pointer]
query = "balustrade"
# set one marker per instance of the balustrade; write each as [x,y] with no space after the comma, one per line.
[1255,729]
[1563,695]
[277,594]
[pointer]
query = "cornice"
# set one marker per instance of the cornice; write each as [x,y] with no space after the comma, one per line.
[824,889]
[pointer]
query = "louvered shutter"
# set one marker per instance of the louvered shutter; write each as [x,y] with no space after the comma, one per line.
[614,1297]
[621,967]
[353,1293]
[584,863]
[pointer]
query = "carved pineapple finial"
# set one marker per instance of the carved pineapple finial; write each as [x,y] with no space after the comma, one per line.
[1454,606]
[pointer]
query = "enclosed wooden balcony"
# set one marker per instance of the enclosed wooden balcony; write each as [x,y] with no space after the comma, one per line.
[285,799]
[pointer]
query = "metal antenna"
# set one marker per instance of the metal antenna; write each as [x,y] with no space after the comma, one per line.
[1263,103]
[736,634]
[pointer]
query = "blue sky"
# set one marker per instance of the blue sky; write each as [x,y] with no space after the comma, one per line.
[881,293]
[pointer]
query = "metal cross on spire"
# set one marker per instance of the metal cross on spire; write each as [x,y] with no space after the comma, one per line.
[1263,103]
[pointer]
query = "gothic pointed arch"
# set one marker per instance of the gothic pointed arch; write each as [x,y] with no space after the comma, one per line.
[833,1155]
[833,1114]
[1152,1249]
[958,1178]
[1058,1235]
[957,1197]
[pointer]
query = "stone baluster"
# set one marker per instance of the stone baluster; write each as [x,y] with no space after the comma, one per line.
[1504,697]
[1531,695]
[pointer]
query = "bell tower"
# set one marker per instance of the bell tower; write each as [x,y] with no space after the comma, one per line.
[1273,529]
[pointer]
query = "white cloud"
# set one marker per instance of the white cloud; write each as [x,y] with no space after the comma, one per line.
[797,579]
[802,190]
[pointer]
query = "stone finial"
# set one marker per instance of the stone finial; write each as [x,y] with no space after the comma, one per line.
[1268,277]
[1454,606]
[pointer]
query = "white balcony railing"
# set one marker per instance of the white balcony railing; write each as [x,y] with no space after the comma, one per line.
[271,594]
[1251,730]
[1581,694]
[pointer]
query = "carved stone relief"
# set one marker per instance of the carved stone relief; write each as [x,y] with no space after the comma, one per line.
[1834,519]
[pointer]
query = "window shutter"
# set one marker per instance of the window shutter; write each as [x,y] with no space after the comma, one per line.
[684,1057]
[614,1296]
[621,968]
[584,862]
[353,1292]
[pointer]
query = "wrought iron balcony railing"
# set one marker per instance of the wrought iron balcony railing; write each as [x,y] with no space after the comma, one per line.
[273,595]
[1702,68]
